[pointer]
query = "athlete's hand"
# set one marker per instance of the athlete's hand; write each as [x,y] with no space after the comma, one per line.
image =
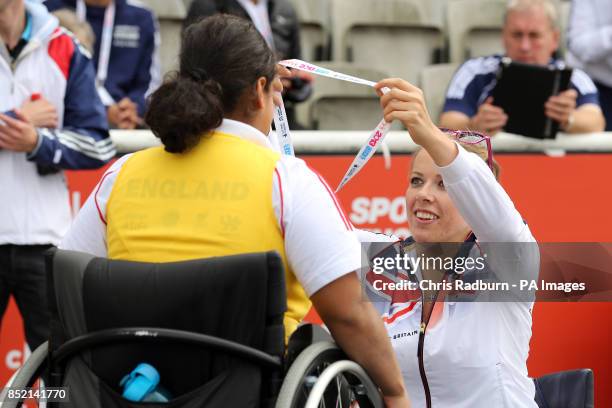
[40,113]
[489,119]
[296,73]
[405,102]
[285,75]
[17,135]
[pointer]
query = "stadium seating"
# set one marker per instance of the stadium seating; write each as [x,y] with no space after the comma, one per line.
[436,10]
[564,16]
[390,37]
[171,14]
[434,82]
[339,105]
[396,36]
[314,28]
[474,28]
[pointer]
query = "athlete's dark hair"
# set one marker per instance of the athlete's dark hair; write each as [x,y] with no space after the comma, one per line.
[221,56]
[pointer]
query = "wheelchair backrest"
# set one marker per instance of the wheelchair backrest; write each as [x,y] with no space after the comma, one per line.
[239,298]
[565,389]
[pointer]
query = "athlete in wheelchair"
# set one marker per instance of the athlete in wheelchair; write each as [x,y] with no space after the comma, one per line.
[215,188]
[210,346]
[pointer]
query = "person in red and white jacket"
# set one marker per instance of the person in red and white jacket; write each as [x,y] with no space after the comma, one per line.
[51,118]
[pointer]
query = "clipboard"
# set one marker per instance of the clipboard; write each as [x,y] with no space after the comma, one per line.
[522,90]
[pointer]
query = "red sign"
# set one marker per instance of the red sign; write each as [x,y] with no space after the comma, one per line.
[563,199]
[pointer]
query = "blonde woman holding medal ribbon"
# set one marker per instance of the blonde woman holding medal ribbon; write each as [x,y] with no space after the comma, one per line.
[474,354]
[216,187]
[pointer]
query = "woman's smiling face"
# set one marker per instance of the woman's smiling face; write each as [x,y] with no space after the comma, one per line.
[432,216]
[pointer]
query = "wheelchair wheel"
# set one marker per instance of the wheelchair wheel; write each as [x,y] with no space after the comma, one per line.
[26,376]
[321,376]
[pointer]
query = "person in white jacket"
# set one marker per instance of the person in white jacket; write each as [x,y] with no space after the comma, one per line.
[590,47]
[474,353]
[51,120]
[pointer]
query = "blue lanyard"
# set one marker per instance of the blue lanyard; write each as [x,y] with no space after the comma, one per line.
[23,41]
[27,32]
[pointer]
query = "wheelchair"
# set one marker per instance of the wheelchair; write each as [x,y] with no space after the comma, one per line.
[565,389]
[213,328]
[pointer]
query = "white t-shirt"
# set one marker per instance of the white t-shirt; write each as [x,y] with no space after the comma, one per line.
[475,355]
[319,240]
[260,17]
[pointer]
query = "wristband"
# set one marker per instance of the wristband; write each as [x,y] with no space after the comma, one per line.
[570,121]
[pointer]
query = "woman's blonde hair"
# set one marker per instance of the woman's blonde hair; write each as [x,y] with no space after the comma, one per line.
[479,149]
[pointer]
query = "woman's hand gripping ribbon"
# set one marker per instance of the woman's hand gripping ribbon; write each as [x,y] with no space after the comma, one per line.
[366,152]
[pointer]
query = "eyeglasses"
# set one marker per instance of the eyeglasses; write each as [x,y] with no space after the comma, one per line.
[469,137]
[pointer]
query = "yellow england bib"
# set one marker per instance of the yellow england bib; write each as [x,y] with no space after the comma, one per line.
[214,200]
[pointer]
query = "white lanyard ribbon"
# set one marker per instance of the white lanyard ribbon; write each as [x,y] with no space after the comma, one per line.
[106,42]
[366,152]
[313,69]
[282,129]
[375,139]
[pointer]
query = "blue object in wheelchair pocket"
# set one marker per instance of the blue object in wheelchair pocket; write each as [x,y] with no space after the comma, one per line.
[142,385]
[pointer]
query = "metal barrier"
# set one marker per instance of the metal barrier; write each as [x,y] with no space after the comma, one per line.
[347,142]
